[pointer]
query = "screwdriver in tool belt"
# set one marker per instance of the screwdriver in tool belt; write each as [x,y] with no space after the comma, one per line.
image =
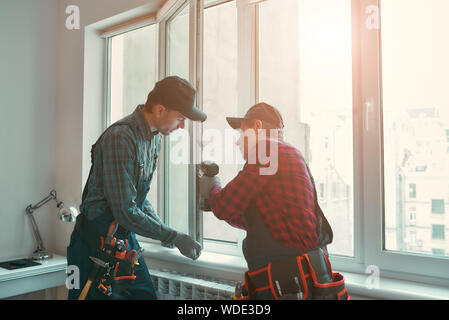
[138,255]
[110,239]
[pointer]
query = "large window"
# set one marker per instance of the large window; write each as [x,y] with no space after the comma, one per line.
[415,117]
[362,88]
[305,70]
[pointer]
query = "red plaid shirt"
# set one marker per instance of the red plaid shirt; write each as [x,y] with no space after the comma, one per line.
[285,199]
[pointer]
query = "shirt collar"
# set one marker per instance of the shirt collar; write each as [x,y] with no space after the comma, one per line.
[253,152]
[142,124]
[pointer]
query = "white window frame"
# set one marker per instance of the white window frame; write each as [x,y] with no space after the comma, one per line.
[402,265]
[163,52]
[246,78]
[369,233]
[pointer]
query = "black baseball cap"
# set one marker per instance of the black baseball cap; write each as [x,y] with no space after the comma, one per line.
[261,111]
[178,94]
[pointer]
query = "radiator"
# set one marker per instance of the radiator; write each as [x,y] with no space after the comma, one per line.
[174,286]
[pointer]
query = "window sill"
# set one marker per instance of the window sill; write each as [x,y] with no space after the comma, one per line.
[393,289]
[209,263]
[233,267]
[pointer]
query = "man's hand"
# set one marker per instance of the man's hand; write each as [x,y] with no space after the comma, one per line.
[206,184]
[186,245]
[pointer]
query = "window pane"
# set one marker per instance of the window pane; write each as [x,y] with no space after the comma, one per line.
[305,70]
[220,101]
[416,120]
[438,231]
[133,74]
[178,44]
[133,70]
[412,190]
[178,168]
[438,252]
[437,206]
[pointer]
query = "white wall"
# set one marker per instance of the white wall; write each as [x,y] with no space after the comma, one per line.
[44,101]
[45,106]
[28,36]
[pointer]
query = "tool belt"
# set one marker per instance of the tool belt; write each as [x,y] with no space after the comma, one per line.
[89,233]
[113,270]
[116,276]
[304,277]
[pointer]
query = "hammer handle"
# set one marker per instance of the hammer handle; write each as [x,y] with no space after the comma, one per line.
[85,290]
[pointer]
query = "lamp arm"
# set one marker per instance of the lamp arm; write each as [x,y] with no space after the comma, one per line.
[52,196]
[30,209]
[37,234]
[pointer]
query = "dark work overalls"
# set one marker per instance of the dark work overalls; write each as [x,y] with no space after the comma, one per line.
[84,240]
[270,263]
[260,248]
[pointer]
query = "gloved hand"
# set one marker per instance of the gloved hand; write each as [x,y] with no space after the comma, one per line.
[186,245]
[206,184]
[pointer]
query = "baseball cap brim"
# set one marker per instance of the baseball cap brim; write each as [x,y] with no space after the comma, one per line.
[195,114]
[235,123]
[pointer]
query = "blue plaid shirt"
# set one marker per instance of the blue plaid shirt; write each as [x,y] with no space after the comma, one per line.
[124,161]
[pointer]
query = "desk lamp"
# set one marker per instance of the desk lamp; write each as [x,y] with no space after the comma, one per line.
[66,214]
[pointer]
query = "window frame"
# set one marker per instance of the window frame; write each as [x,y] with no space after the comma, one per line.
[400,263]
[438,229]
[411,216]
[195,68]
[164,52]
[245,98]
[369,205]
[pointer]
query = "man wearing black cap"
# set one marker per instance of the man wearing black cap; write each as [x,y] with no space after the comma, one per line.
[278,210]
[123,162]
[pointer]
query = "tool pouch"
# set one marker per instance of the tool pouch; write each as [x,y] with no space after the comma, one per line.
[118,280]
[326,285]
[124,270]
[123,278]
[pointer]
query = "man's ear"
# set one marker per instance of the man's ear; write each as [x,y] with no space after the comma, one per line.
[158,109]
[258,125]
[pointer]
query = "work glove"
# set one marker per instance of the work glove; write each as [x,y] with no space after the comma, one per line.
[186,245]
[206,184]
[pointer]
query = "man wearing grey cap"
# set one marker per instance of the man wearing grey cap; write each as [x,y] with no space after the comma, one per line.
[114,207]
